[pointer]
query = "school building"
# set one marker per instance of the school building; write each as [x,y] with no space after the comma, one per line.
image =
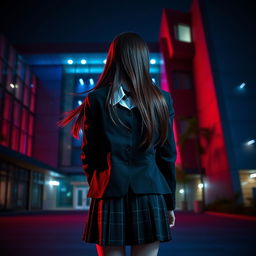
[209,74]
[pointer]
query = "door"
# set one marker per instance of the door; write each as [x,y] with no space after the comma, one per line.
[80,198]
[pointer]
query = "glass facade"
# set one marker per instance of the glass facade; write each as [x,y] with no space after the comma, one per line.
[64,193]
[17,185]
[37,187]
[18,87]
[70,148]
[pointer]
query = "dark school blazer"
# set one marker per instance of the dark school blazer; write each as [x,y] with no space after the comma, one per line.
[110,156]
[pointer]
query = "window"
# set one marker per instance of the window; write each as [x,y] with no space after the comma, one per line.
[183,33]
[18,87]
[182,80]
[37,190]
[19,181]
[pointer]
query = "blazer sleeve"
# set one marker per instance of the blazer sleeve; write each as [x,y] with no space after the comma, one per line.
[166,156]
[89,141]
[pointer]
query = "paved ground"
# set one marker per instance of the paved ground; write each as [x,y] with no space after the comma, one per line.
[59,233]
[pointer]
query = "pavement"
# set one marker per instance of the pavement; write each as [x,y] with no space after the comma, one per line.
[54,233]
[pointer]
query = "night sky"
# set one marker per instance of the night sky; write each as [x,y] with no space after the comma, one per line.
[81,21]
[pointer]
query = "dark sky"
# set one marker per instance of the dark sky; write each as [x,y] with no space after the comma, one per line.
[70,21]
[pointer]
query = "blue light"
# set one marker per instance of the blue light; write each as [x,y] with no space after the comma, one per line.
[79,102]
[70,62]
[81,81]
[105,61]
[242,85]
[154,80]
[83,61]
[250,142]
[91,81]
[152,61]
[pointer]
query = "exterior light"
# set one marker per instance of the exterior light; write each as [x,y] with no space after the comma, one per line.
[105,61]
[91,81]
[152,61]
[83,61]
[12,85]
[253,175]
[54,183]
[242,85]
[79,102]
[81,81]
[200,185]
[70,62]
[181,191]
[154,80]
[250,142]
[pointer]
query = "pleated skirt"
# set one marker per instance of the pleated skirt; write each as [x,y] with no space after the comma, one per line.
[130,220]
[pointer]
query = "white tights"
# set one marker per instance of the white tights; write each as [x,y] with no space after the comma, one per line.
[149,249]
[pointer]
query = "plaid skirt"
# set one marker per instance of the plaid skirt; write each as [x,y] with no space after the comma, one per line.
[130,220]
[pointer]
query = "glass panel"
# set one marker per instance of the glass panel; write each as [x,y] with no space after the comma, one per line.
[34,84]
[26,95]
[32,103]
[9,81]
[5,133]
[24,121]
[29,151]
[76,142]
[31,124]
[79,197]
[81,84]
[76,157]
[36,200]
[77,101]
[21,69]
[23,142]
[3,184]
[17,113]
[64,194]
[18,89]
[15,138]
[19,194]
[7,107]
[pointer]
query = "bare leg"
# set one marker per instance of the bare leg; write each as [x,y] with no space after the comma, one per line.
[110,250]
[149,249]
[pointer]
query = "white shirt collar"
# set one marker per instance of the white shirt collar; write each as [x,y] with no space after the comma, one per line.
[119,94]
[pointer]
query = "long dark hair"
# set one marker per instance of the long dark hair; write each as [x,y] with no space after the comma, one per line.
[128,62]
